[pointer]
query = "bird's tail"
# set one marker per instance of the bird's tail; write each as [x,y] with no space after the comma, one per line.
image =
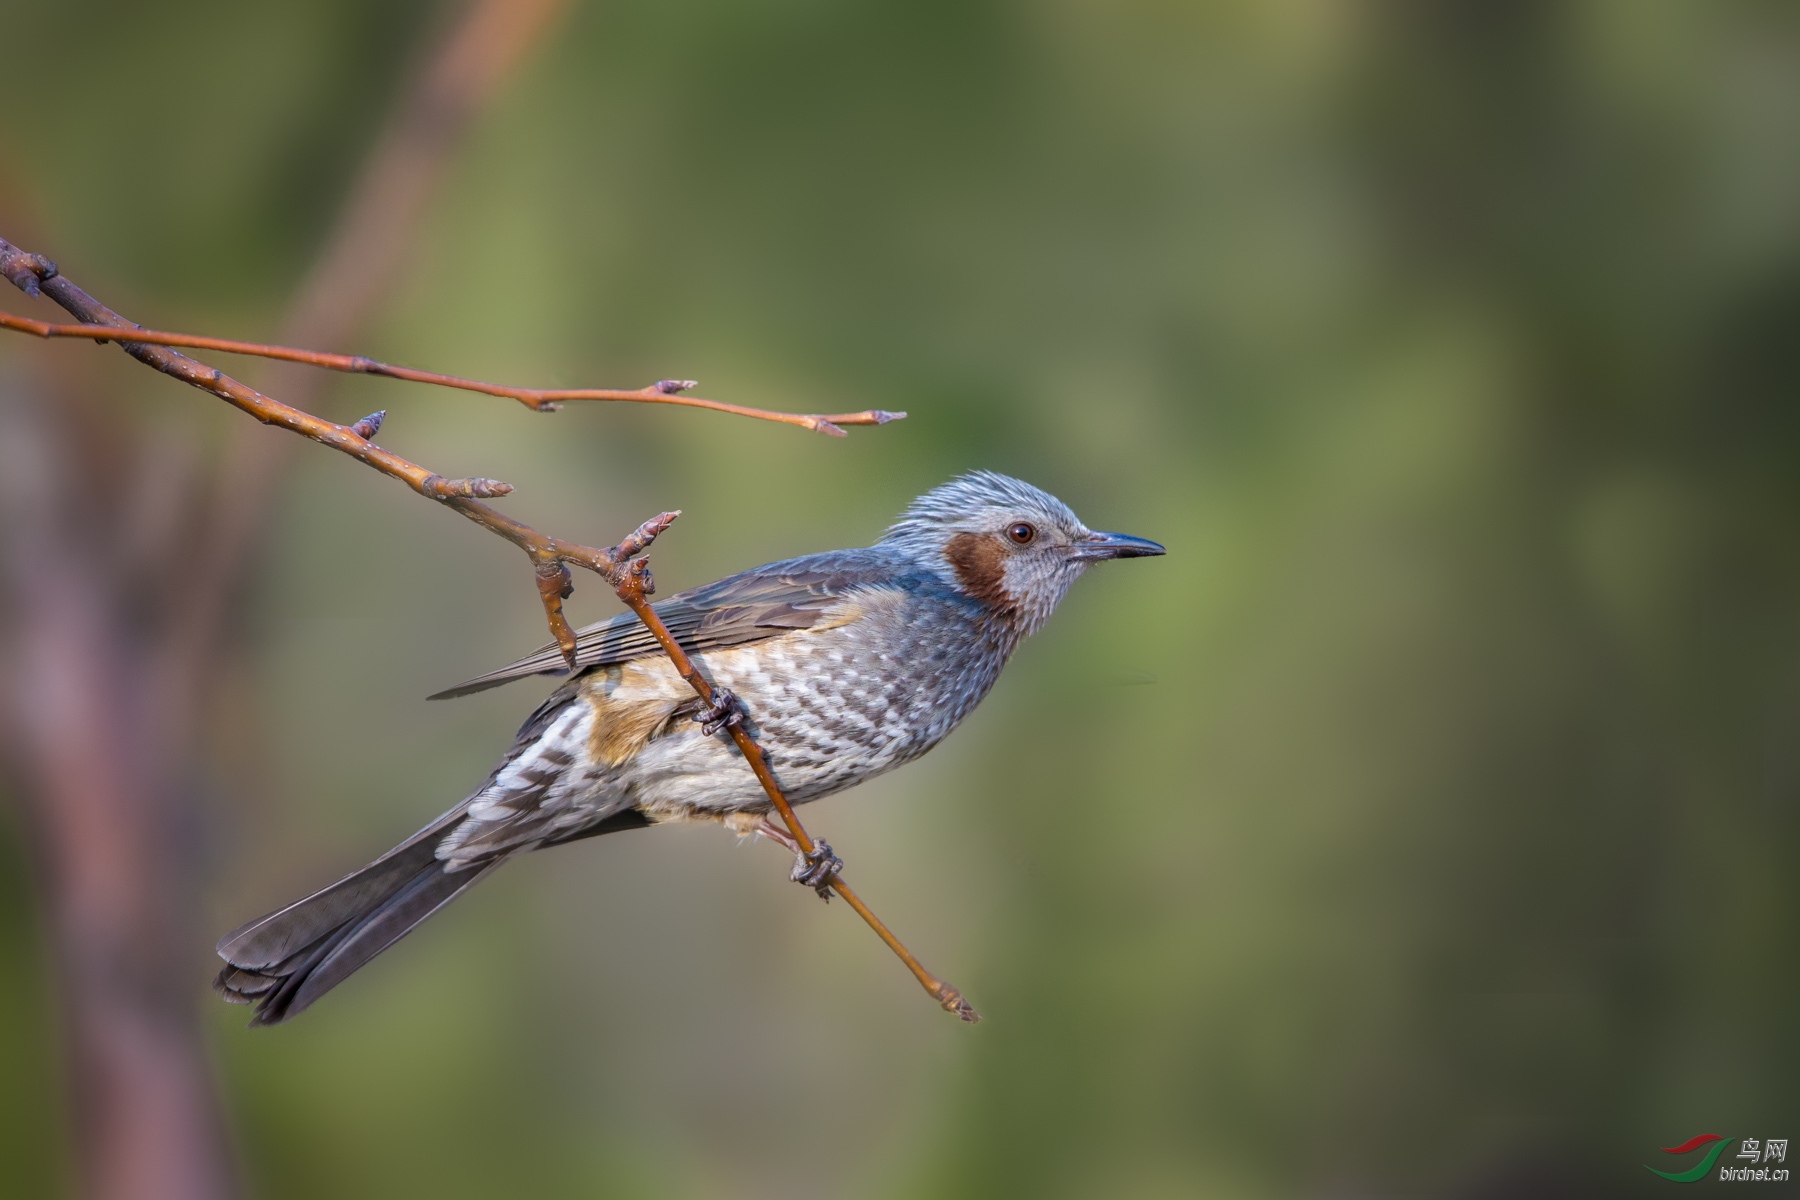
[283,962]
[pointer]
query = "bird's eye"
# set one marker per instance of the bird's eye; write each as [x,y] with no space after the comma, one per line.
[1021,533]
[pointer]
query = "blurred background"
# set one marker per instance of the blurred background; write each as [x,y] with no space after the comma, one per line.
[1424,824]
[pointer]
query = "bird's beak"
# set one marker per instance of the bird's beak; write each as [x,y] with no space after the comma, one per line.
[1097,546]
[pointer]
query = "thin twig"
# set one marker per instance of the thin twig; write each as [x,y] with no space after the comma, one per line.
[620,565]
[631,582]
[664,391]
[548,555]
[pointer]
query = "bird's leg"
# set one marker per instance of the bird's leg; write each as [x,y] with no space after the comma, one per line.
[722,713]
[777,834]
[817,869]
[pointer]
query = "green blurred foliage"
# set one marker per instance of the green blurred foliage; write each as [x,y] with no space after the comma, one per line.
[1425,823]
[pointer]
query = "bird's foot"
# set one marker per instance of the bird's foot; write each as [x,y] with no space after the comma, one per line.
[817,870]
[722,713]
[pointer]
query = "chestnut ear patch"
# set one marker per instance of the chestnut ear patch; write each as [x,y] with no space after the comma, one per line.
[979,560]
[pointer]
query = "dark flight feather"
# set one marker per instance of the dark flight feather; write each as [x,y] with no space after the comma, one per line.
[284,961]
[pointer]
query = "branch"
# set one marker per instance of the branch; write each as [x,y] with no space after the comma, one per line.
[665,391]
[621,565]
[548,555]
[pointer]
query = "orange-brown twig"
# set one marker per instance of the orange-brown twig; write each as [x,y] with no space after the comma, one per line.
[664,391]
[549,556]
[630,581]
[620,565]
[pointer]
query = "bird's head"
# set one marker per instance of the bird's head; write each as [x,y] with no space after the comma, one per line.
[1013,547]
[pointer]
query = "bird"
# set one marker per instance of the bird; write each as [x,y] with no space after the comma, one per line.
[841,665]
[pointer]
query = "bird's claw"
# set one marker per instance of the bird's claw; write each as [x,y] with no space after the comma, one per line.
[817,870]
[722,713]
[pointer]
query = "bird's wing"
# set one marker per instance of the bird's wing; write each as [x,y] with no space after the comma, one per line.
[749,607]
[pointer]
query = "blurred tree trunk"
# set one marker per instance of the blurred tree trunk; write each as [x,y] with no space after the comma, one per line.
[113,862]
[120,561]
